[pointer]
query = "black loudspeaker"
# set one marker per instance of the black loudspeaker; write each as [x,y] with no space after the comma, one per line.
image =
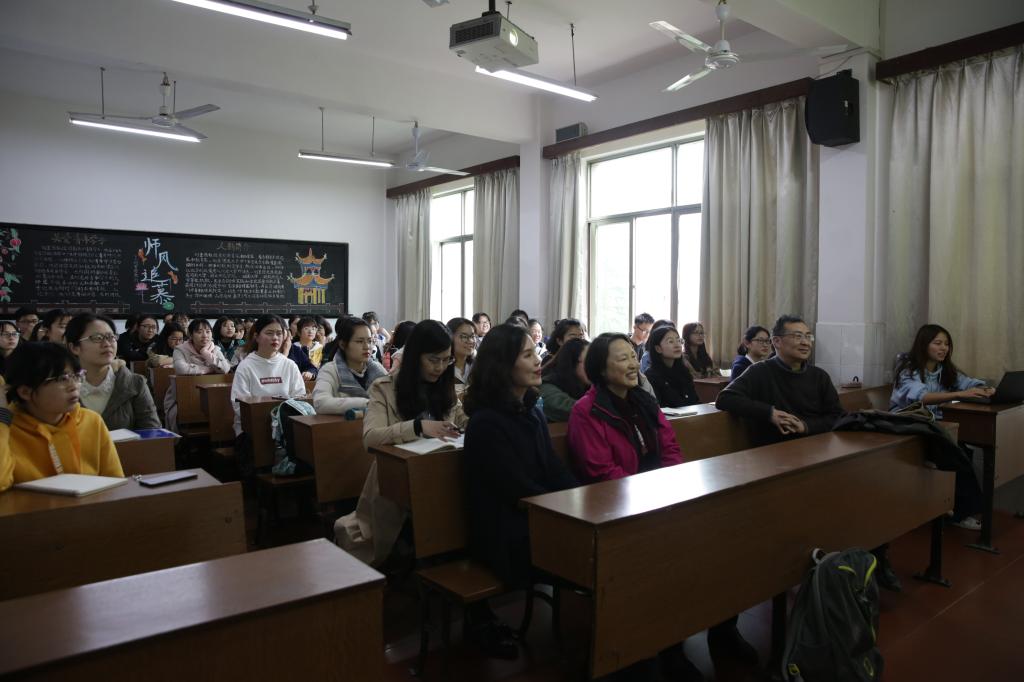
[832,112]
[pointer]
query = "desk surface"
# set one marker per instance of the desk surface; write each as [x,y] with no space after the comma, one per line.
[47,628]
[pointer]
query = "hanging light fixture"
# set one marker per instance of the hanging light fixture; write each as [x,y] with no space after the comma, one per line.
[279,16]
[324,155]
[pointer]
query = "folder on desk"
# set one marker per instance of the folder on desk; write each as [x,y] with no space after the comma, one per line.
[72,485]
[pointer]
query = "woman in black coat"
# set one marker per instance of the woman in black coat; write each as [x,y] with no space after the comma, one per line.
[671,381]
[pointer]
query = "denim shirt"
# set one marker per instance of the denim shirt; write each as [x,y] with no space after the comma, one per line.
[909,388]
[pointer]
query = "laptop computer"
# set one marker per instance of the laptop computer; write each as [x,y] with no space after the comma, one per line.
[1009,390]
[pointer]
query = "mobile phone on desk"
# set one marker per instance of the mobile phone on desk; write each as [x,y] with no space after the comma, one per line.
[164,479]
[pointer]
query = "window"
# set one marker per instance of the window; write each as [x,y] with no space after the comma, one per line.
[644,216]
[451,241]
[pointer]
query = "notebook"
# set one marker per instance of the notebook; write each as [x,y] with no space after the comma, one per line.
[122,435]
[72,485]
[425,445]
[678,412]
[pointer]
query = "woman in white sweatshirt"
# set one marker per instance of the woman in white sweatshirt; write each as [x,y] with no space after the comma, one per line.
[266,370]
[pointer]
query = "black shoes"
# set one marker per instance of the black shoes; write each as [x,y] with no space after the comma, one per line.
[495,640]
[885,576]
[677,667]
[727,642]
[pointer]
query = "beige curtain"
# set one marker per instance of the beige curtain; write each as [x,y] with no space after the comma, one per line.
[412,225]
[955,234]
[567,274]
[759,231]
[496,243]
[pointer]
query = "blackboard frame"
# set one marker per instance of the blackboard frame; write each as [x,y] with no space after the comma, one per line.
[123,308]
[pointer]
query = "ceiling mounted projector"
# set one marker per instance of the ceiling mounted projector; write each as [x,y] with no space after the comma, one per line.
[493,42]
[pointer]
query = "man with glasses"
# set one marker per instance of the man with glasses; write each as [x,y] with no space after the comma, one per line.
[642,324]
[26,319]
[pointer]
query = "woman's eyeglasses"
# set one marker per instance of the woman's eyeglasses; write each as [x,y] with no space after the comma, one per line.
[467,338]
[100,338]
[67,379]
[442,361]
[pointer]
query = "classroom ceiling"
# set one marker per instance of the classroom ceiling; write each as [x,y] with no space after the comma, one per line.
[397,66]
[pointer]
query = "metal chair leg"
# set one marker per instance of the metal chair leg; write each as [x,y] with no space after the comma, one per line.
[421,659]
[524,626]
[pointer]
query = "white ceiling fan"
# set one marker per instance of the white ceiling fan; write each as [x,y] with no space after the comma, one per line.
[166,122]
[421,157]
[721,56]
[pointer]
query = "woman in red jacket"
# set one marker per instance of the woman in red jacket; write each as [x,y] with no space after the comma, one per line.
[617,430]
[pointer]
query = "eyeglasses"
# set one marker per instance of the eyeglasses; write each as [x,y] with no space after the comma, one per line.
[100,338]
[763,342]
[435,361]
[148,326]
[466,338]
[10,335]
[800,337]
[67,379]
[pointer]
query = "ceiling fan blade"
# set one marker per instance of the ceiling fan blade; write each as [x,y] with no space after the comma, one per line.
[446,171]
[687,79]
[188,131]
[196,111]
[684,39]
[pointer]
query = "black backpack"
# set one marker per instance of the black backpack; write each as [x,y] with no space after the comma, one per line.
[834,623]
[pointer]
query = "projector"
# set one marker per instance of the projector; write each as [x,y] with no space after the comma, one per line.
[493,42]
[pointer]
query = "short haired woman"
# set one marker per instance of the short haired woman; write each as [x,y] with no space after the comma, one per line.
[343,383]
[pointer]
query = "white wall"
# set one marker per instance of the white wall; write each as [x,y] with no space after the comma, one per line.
[911,25]
[236,183]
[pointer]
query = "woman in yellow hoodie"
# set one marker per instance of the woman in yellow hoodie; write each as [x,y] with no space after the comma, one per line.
[45,432]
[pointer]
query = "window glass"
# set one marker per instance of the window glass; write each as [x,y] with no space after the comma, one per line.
[451,280]
[446,217]
[638,182]
[653,267]
[468,227]
[611,279]
[689,268]
[690,173]
[467,295]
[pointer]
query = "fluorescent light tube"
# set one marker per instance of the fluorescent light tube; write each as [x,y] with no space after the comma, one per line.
[129,129]
[534,81]
[279,16]
[343,158]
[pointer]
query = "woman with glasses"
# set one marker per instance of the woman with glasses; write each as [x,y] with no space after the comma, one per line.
[463,349]
[344,382]
[136,344]
[565,381]
[755,347]
[417,402]
[306,352]
[671,381]
[44,432]
[9,337]
[162,352]
[119,395]
[695,352]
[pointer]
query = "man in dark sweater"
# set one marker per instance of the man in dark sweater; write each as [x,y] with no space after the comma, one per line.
[784,397]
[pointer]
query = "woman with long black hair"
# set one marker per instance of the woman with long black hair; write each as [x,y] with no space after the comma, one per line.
[565,380]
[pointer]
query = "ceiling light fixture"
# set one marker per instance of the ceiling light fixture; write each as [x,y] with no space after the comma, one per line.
[79,120]
[279,16]
[324,155]
[535,81]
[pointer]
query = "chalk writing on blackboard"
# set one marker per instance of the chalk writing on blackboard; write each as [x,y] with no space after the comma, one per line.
[310,287]
[76,272]
[236,277]
[155,274]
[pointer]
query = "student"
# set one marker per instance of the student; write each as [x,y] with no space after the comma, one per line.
[26,318]
[239,332]
[324,331]
[565,330]
[565,380]
[927,374]
[645,357]
[44,432]
[168,318]
[380,335]
[393,353]
[642,325]
[417,402]
[119,395]
[9,338]
[51,327]
[617,430]
[199,355]
[135,345]
[162,352]
[695,352]
[508,456]
[522,315]
[247,323]
[344,382]
[672,383]
[224,339]
[463,348]
[482,322]
[305,351]
[130,323]
[518,321]
[537,334]
[182,319]
[755,347]
[265,371]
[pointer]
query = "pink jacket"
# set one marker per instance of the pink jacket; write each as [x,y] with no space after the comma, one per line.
[599,445]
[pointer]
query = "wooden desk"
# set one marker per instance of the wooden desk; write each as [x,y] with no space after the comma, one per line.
[429,487]
[138,367]
[186,394]
[708,389]
[215,404]
[999,431]
[307,611]
[254,415]
[149,456]
[874,398]
[310,384]
[752,518]
[709,433]
[53,541]
[333,446]
[160,381]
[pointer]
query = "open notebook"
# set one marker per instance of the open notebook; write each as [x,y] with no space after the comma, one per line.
[72,485]
[678,411]
[425,445]
[123,435]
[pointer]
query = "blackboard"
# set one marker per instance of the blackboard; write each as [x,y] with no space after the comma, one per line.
[118,272]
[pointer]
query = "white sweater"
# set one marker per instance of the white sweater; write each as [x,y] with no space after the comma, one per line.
[257,377]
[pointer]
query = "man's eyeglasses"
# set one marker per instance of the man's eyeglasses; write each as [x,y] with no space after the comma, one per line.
[10,335]
[100,338]
[67,379]
[800,337]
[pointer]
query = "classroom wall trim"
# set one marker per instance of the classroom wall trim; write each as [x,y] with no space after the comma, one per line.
[479,169]
[932,57]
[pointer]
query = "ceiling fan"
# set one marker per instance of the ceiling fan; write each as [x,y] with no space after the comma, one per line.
[721,55]
[166,122]
[421,157]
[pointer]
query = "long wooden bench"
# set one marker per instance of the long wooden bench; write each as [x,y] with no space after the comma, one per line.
[306,611]
[52,541]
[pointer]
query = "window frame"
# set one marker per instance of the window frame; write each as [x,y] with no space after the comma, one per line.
[461,239]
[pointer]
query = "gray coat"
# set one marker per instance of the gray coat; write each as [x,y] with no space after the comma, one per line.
[131,404]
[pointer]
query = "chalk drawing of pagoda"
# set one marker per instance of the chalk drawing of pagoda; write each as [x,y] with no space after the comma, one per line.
[311,287]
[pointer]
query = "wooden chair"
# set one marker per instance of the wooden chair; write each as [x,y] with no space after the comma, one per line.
[267,488]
